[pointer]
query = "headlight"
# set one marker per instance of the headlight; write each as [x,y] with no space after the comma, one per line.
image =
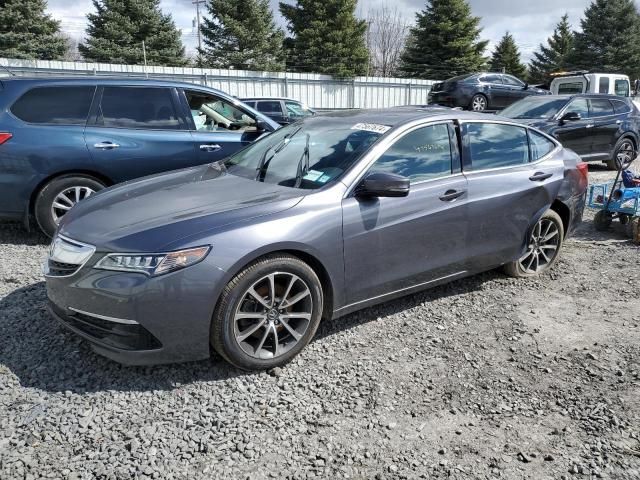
[153,264]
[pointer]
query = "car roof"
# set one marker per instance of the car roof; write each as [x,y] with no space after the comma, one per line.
[578,95]
[396,116]
[270,98]
[106,80]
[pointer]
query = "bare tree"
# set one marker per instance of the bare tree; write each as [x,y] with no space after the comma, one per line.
[386,36]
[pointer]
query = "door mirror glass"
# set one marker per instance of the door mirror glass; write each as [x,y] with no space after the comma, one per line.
[571,117]
[262,126]
[383,184]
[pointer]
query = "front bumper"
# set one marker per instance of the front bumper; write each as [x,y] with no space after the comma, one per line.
[139,320]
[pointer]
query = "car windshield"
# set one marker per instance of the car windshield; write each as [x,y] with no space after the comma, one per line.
[533,107]
[308,154]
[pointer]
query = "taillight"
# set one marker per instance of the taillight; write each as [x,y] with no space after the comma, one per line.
[583,168]
[4,136]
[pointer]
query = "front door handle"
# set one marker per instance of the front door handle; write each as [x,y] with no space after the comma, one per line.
[105,145]
[540,176]
[591,125]
[210,148]
[450,195]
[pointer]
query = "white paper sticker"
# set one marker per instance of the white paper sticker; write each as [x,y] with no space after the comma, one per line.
[371,127]
[313,175]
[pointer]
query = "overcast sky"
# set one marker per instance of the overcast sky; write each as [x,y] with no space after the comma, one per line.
[529,22]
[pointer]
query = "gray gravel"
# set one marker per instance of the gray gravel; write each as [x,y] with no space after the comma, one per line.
[487,377]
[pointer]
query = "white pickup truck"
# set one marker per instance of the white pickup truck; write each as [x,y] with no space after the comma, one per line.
[567,83]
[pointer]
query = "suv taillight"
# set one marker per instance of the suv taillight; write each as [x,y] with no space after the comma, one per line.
[4,136]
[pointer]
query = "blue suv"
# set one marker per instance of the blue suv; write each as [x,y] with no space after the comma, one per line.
[62,140]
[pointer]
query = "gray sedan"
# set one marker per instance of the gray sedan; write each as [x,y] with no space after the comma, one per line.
[321,218]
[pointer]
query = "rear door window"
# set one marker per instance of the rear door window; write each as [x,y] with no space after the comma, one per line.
[600,107]
[422,154]
[493,145]
[137,107]
[269,107]
[491,78]
[539,145]
[55,105]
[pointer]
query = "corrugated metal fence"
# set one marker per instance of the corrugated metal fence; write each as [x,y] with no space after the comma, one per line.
[317,91]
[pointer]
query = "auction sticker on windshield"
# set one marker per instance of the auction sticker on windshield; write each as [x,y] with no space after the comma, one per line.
[371,127]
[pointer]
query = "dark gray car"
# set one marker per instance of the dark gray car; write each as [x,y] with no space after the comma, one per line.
[319,219]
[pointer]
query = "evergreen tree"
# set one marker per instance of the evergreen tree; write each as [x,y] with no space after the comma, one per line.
[610,38]
[506,57]
[444,42]
[242,34]
[117,29]
[554,56]
[26,31]
[327,37]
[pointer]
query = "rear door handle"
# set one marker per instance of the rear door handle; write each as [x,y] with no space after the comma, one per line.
[540,176]
[210,148]
[106,145]
[450,195]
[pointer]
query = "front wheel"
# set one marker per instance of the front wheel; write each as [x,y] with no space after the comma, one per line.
[543,247]
[479,103]
[624,155]
[267,313]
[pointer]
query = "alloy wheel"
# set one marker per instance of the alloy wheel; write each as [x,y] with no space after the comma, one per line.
[273,314]
[625,154]
[66,199]
[479,103]
[543,247]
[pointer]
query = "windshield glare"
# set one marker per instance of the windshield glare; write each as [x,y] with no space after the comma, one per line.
[306,155]
[534,108]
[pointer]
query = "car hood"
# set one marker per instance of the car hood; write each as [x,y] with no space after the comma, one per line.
[152,212]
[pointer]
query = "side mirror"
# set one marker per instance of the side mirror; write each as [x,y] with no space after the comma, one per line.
[381,184]
[262,126]
[526,86]
[570,117]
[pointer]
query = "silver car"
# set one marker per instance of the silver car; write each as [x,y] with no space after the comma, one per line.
[321,218]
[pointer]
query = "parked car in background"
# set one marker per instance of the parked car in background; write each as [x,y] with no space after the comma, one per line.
[481,91]
[571,83]
[603,128]
[321,218]
[61,140]
[282,110]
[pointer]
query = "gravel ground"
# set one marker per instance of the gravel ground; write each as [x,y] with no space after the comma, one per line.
[488,377]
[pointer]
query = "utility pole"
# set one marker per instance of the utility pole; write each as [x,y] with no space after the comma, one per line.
[197,4]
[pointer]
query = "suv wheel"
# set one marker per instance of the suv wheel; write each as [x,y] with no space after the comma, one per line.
[543,247]
[479,103]
[58,196]
[624,154]
[267,313]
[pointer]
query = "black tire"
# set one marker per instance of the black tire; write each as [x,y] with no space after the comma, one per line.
[479,103]
[235,297]
[44,202]
[518,268]
[602,221]
[624,144]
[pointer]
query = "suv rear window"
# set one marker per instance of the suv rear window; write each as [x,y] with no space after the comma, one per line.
[55,105]
[137,107]
[620,106]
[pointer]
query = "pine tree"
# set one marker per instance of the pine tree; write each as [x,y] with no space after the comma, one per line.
[326,37]
[554,56]
[610,38]
[444,42]
[242,34]
[117,29]
[26,31]
[506,57]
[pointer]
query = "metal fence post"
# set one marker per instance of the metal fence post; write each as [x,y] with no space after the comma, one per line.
[286,85]
[353,93]
[408,99]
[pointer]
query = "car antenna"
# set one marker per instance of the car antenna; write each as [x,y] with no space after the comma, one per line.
[10,72]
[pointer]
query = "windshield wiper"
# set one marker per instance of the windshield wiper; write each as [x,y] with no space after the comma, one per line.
[303,164]
[263,165]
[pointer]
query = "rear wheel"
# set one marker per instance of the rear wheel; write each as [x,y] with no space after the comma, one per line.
[602,220]
[624,154]
[543,246]
[479,103]
[58,196]
[267,313]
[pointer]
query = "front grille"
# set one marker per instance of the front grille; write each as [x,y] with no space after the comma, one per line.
[113,334]
[59,269]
